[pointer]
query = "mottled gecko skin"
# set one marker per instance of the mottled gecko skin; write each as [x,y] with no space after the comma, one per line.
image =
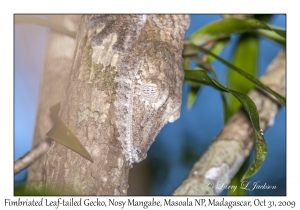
[148,83]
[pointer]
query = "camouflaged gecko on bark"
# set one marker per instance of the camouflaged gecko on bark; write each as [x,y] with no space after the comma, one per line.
[149,82]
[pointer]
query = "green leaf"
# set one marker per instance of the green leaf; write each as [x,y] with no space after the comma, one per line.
[226,16]
[193,52]
[192,96]
[245,57]
[281,99]
[259,155]
[190,50]
[205,65]
[217,48]
[63,135]
[192,93]
[272,36]
[267,33]
[208,68]
[226,27]
[199,77]
[225,107]
[276,34]
[239,16]
[279,31]
[186,63]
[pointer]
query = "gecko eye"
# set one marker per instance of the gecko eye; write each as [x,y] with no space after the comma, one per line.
[149,92]
[155,93]
[138,151]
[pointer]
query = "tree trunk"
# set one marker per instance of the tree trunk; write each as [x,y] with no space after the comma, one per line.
[58,61]
[125,84]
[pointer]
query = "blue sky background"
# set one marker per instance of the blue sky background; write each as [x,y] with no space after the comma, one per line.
[179,143]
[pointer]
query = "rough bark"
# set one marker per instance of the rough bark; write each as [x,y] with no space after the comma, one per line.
[234,143]
[125,84]
[57,66]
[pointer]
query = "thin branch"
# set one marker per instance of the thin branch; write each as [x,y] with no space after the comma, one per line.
[46,23]
[31,156]
[234,143]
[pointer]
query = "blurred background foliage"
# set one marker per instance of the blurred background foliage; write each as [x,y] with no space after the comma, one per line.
[203,111]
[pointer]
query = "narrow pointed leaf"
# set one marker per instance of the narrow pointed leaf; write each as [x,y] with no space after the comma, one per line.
[225,104]
[205,65]
[217,48]
[208,68]
[239,16]
[190,50]
[278,31]
[272,36]
[63,135]
[186,63]
[226,16]
[281,99]
[245,57]
[198,77]
[192,93]
[226,27]
[192,96]
[259,155]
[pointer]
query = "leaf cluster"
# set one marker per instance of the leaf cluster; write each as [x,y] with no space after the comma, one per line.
[205,46]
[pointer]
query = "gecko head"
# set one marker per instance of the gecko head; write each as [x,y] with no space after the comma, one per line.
[154,105]
[152,97]
[162,93]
